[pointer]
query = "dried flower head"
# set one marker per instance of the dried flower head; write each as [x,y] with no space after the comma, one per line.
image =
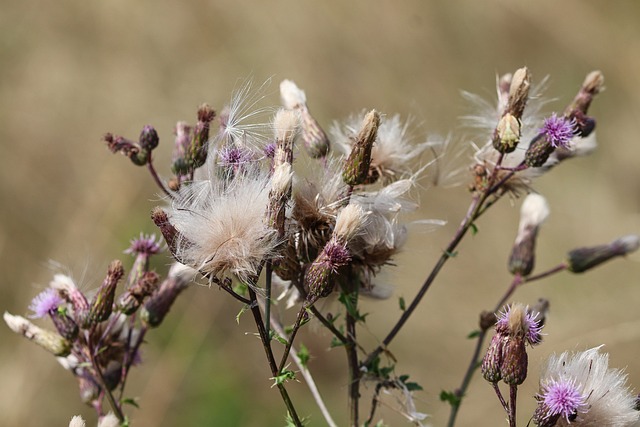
[579,389]
[533,213]
[221,224]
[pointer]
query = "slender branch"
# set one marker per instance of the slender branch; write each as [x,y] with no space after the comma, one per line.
[500,397]
[157,179]
[513,394]
[305,373]
[266,343]
[267,301]
[352,359]
[112,401]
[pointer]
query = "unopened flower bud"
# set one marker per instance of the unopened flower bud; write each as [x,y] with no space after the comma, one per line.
[492,360]
[315,139]
[48,340]
[130,149]
[514,363]
[198,149]
[519,92]
[131,300]
[538,152]
[533,213]
[148,138]
[180,164]
[64,324]
[583,259]
[278,196]
[70,292]
[321,275]
[158,305]
[487,320]
[356,167]
[507,134]
[169,232]
[102,304]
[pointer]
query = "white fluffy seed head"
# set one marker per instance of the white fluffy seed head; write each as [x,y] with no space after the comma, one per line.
[281,179]
[349,222]
[62,282]
[534,211]
[609,402]
[222,225]
[77,421]
[286,124]
[109,420]
[292,96]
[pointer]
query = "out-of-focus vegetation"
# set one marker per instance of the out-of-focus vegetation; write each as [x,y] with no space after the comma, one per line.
[70,72]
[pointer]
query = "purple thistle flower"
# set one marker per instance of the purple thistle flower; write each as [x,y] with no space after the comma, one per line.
[45,302]
[270,150]
[529,325]
[145,244]
[558,130]
[562,398]
[234,156]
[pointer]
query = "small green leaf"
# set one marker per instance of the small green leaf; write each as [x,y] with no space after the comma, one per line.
[131,401]
[451,254]
[403,306]
[304,355]
[243,310]
[335,342]
[240,288]
[474,228]
[284,376]
[450,397]
[474,334]
[280,339]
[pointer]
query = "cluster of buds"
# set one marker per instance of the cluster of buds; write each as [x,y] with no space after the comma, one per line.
[506,358]
[246,204]
[525,143]
[138,152]
[98,339]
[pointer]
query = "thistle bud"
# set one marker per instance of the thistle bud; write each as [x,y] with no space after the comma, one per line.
[538,152]
[102,303]
[515,362]
[583,259]
[314,138]
[507,134]
[64,324]
[130,149]
[356,167]
[48,340]
[70,292]
[593,84]
[492,360]
[148,138]
[533,213]
[519,92]
[198,149]
[285,126]
[131,300]
[169,232]
[180,164]
[278,196]
[321,275]
[158,305]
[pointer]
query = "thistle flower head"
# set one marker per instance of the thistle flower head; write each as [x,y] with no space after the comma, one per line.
[221,224]
[579,389]
[558,130]
[45,302]
[234,156]
[517,321]
[146,244]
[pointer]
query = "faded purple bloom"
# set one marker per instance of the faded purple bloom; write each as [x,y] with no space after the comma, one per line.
[145,244]
[562,398]
[44,302]
[235,156]
[528,325]
[270,150]
[558,130]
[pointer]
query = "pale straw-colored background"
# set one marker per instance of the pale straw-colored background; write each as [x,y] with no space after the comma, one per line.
[70,71]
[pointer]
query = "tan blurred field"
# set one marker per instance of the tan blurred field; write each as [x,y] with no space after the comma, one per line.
[71,71]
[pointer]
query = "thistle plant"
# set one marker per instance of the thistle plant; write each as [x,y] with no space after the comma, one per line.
[281,228]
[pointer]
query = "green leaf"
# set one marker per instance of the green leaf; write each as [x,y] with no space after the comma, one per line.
[474,334]
[403,306]
[284,376]
[243,310]
[451,254]
[474,228]
[304,355]
[280,339]
[240,288]
[131,401]
[335,342]
[450,397]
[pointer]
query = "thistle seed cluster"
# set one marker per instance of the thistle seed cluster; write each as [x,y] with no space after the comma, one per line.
[98,338]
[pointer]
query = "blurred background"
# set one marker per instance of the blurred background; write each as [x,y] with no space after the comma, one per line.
[71,71]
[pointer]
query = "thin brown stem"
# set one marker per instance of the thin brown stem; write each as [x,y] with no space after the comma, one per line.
[513,394]
[157,179]
[352,360]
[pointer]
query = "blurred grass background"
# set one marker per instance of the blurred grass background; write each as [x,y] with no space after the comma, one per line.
[70,71]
